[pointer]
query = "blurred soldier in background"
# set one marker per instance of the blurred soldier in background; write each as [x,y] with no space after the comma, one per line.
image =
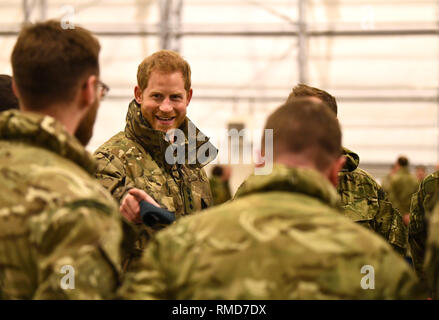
[363,199]
[420,173]
[283,237]
[402,186]
[422,204]
[8,100]
[219,184]
[133,164]
[60,231]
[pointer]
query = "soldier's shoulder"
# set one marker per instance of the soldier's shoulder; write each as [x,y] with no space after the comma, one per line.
[116,145]
[364,177]
[45,187]
[271,208]
[352,180]
[46,175]
[265,220]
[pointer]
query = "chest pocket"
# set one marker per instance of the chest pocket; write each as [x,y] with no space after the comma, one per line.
[196,190]
[362,211]
[156,185]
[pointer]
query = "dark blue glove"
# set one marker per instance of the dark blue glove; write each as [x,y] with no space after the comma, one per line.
[153,216]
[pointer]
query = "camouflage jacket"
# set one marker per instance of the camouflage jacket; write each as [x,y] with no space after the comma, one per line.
[422,204]
[220,190]
[135,158]
[55,218]
[431,265]
[402,186]
[283,237]
[365,202]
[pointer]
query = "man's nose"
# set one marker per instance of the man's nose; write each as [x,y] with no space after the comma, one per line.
[166,105]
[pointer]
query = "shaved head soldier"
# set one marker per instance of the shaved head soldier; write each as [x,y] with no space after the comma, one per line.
[283,237]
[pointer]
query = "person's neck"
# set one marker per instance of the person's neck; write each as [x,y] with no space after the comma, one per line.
[295,161]
[299,161]
[64,113]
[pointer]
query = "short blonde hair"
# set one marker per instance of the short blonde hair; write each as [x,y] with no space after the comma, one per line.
[165,61]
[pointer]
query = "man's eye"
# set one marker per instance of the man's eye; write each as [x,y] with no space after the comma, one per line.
[176,97]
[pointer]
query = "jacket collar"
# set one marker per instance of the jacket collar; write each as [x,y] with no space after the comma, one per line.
[297,180]
[45,132]
[352,160]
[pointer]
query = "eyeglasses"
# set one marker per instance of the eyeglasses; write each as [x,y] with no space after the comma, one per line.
[103,89]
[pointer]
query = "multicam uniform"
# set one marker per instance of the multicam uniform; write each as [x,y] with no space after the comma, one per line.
[422,204]
[53,214]
[283,237]
[135,158]
[430,270]
[402,186]
[365,202]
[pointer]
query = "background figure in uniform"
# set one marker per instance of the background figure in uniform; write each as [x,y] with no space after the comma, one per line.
[402,186]
[363,199]
[219,184]
[431,265]
[282,237]
[60,231]
[8,100]
[138,163]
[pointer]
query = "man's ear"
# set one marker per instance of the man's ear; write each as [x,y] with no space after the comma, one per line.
[138,94]
[89,92]
[337,165]
[14,88]
[189,96]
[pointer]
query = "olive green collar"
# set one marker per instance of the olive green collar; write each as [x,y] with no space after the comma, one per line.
[297,180]
[45,132]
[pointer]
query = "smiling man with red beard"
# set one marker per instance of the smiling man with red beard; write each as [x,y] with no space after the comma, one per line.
[134,164]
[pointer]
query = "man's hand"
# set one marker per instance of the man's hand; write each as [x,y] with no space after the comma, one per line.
[406,219]
[130,207]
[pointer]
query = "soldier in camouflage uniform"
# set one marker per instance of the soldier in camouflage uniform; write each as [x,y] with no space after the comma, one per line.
[219,184]
[283,237]
[60,231]
[431,265]
[362,198]
[7,98]
[422,204]
[402,186]
[136,159]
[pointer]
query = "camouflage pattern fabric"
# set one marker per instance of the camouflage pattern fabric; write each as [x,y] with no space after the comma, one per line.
[365,202]
[53,213]
[402,186]
[431,265]
[422,205]
[284,237]
[220,190]
[135,158]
